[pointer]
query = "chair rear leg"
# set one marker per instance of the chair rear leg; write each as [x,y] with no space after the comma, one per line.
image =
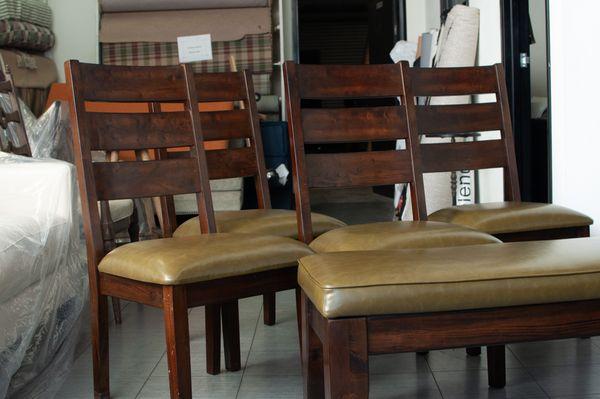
[212,319]
[312,355]
[177,333]
[231,335]
[99,319]
[474,351]
[116,305]
[269,309]
[496,361]
[345,359]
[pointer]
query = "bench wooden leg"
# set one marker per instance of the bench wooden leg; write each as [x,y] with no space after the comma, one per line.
[178,341]
[116,305]
[99,319]
[269,308]
[312,356]
[496,361]
[231,335]
[474,351]
[345,359]
[212,319]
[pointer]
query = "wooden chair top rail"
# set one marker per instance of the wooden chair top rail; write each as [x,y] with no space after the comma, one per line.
[348,81]
[221,86]
[430,82]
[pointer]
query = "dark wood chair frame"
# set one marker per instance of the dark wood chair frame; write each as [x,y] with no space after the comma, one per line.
[349,125]
[468,118]
[158,178]
[335,351]
[14,118]
[247,161]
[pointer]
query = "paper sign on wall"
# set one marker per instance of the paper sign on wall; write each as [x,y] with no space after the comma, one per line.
[194,48]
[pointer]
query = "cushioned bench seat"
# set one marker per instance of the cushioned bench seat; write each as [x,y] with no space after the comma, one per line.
[279,222]
[398,235]
[446,279]
[174,261]
[511,217]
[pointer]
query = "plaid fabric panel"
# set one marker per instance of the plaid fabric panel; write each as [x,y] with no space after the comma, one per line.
[253,52]
[32,11]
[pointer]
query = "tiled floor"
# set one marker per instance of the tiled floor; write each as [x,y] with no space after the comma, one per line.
[271,363]
[567,369]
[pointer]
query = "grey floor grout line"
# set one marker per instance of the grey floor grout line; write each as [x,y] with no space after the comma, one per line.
[249,351]
[150,375]
[432,374]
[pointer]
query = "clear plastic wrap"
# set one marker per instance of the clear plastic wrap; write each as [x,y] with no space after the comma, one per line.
[43,276]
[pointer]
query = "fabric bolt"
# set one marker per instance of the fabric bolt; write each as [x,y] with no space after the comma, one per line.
[253,52]
[25,36]
[33,12]
[163,5]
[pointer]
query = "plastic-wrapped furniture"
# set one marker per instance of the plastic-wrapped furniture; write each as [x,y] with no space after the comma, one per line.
[43,282]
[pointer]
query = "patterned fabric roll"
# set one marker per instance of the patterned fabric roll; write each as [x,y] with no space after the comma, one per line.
[253,52]
[31,11]
[25,36]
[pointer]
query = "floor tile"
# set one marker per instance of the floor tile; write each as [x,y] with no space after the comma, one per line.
[223,386]
[568,380]
[265,387]
[397,363]
[403,386]
[473,384]
[457,359]
[274,363]
[557,353]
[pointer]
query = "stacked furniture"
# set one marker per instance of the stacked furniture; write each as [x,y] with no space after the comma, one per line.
[25,35]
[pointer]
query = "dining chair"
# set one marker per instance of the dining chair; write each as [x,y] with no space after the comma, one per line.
[172,274]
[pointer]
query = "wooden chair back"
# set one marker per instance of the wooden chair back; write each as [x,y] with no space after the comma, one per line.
[465,118]
[240,123]
[349,125]
[13,119]
[109,131]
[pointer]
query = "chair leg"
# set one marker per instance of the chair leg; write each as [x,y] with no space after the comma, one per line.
[345,359]
[496,366]
[231,335]
[212,318]
[99,319]
[312,356]
[116,305]
[177,332]
[269,307]
[474,351]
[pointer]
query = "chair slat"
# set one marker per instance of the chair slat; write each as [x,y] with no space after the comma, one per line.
[429,82]
[226,125]
[224,164]
[358,169]
[119,131]
[346,125]
[465,118]
[343,81]
[213,87]
[119,180]
[131,84]
[446,157]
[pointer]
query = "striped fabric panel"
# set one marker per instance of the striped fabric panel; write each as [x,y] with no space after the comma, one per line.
[31,11]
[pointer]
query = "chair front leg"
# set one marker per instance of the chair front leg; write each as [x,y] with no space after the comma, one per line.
[99,320]
[231,335]
[312,355]
[345,359]
[212,320]
[178,341]
[269,309]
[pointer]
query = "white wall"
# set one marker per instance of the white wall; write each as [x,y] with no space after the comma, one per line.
[575,83]
[489,52]
[76,29]
[421,16]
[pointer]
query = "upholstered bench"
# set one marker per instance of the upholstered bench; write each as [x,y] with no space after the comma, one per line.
[357,304]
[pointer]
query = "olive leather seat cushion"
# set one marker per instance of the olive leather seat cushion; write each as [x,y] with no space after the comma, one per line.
[277,222]
[173,261]
[348,284]
[398,235]
[511,217]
